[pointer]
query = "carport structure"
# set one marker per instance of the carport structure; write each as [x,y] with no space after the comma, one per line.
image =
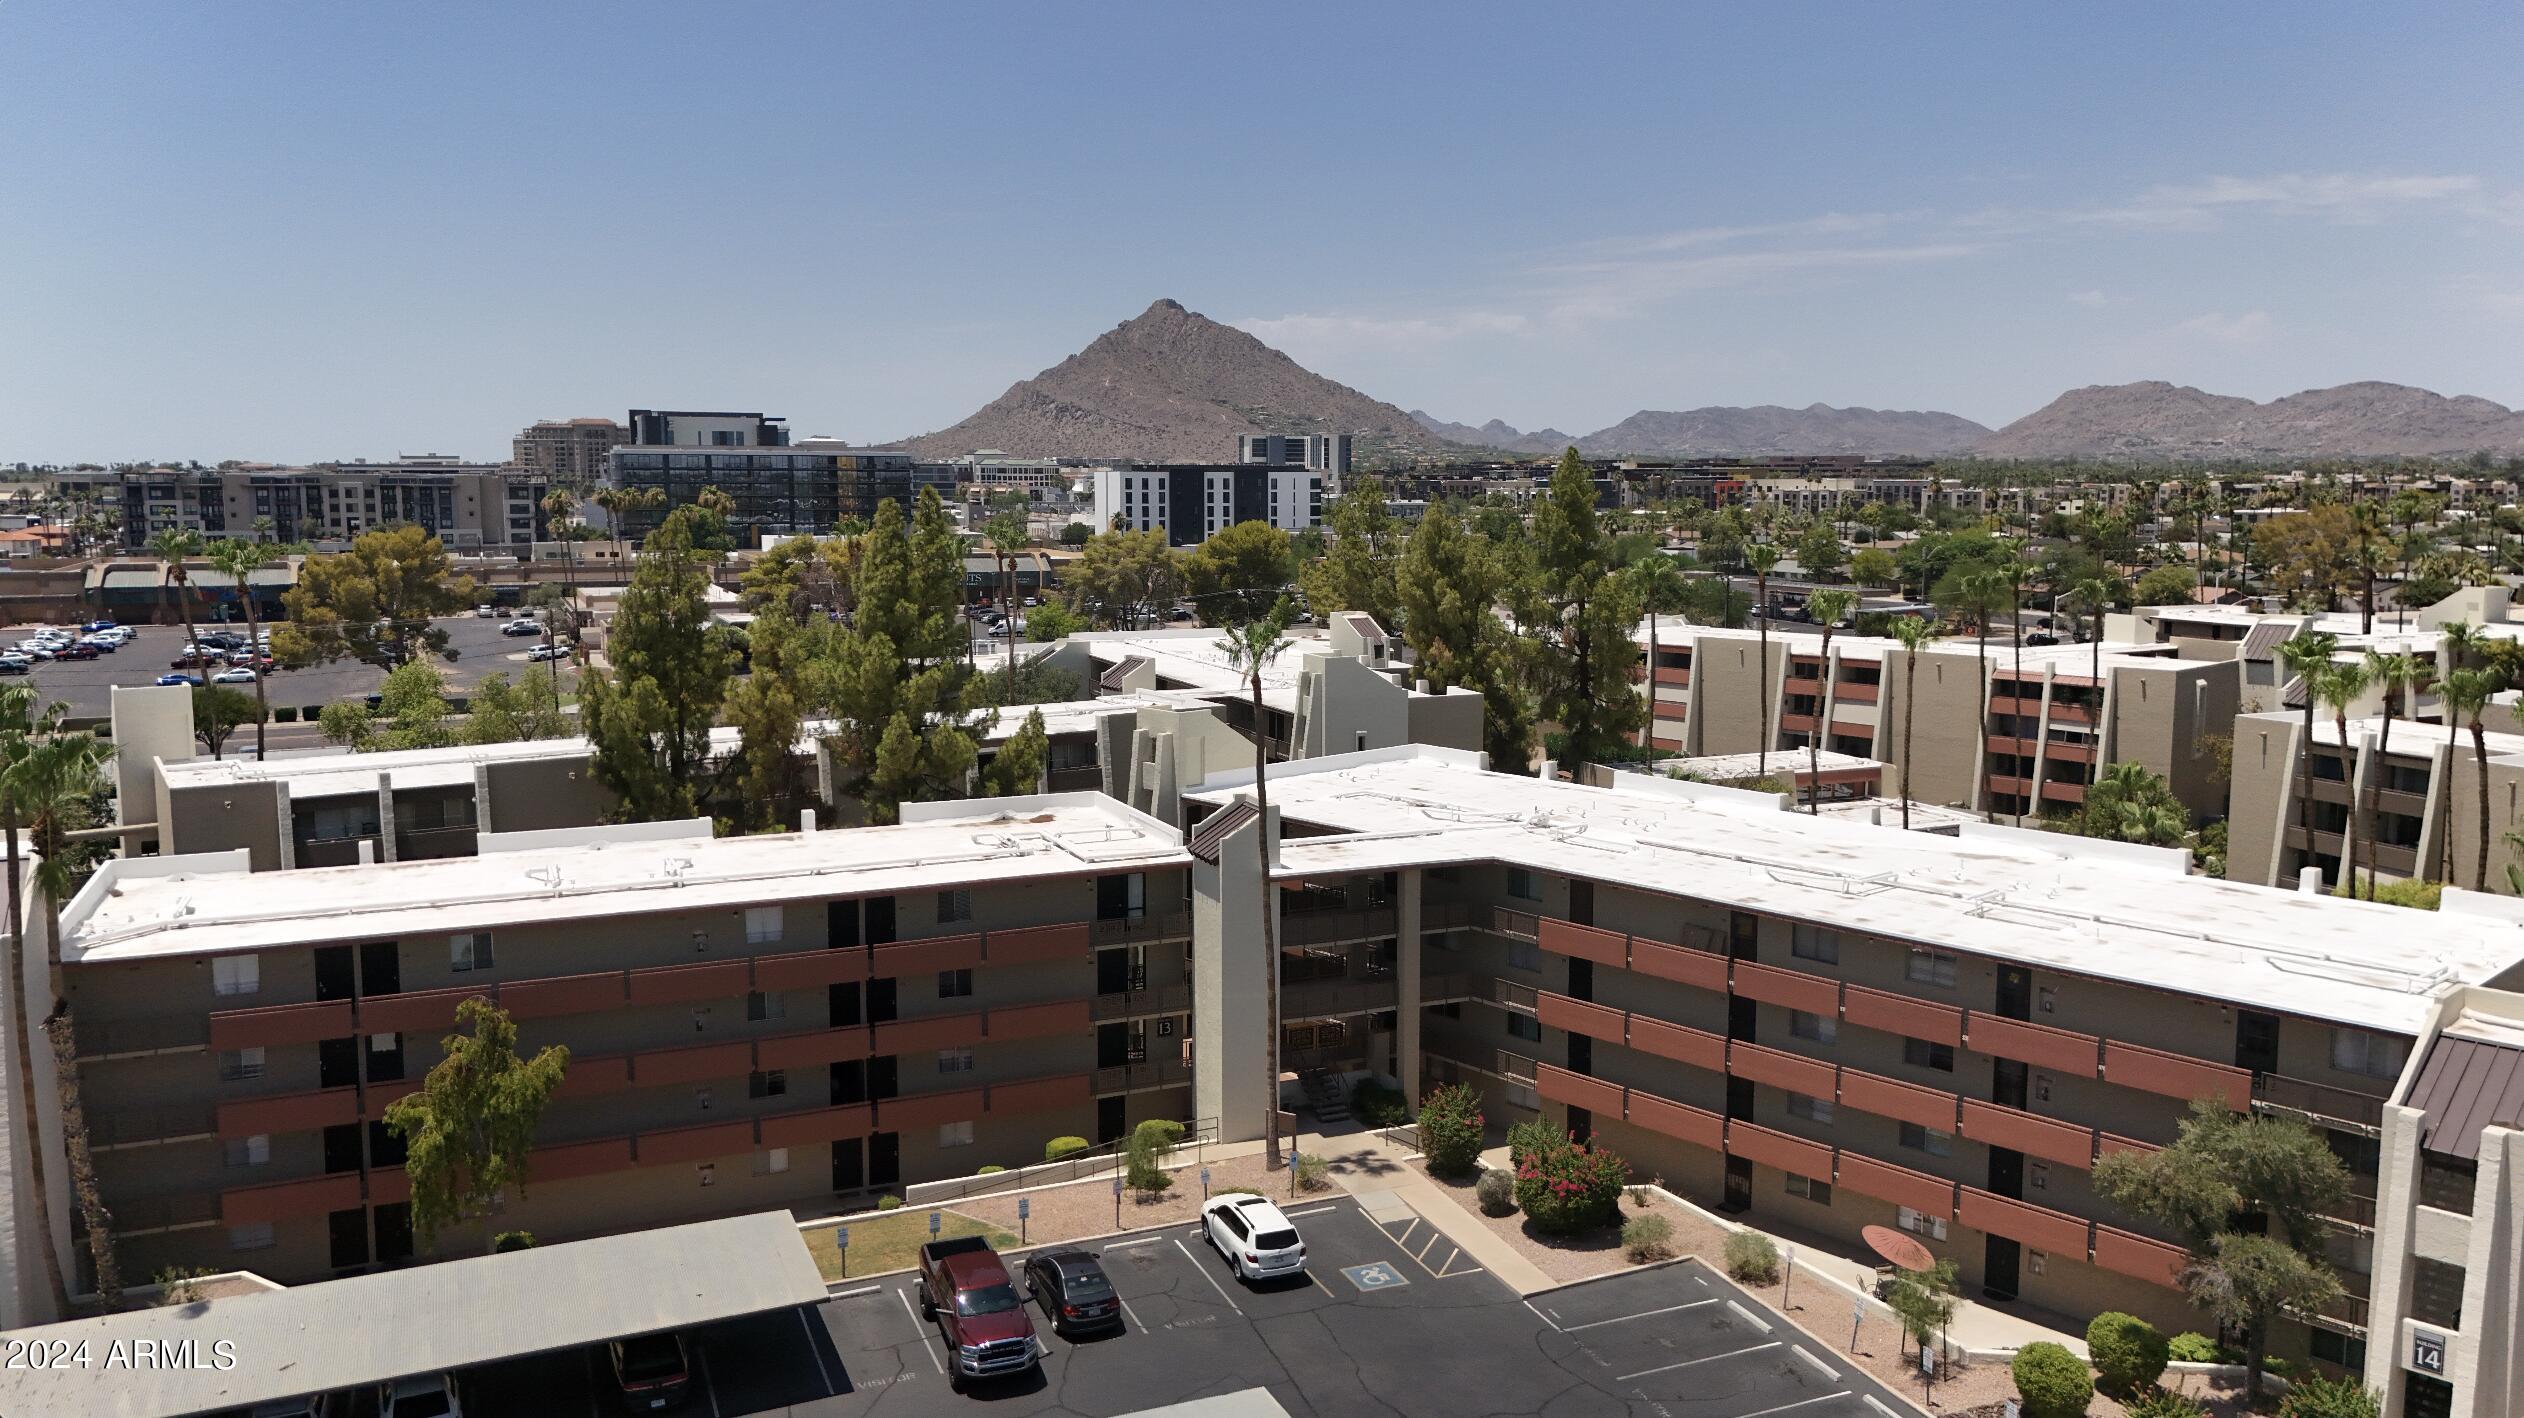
[347,1334]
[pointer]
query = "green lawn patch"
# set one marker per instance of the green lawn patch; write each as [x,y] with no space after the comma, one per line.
[892,1241]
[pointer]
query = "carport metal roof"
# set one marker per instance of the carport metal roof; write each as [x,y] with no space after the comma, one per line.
[345,1333]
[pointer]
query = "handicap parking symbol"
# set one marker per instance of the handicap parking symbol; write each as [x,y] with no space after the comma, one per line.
[1379,1275]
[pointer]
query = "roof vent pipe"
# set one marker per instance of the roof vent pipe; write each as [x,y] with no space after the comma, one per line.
[367,851]
[2309,882]
[806,820]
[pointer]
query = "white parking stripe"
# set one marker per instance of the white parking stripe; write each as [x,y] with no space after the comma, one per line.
[1205,1275]
[701,1360]
[1312,1211]
[1711,1359]
[1643,1314]
[1545,1318]
[812,1348]
[1800,1403]
[1132,1315]
[919,1329]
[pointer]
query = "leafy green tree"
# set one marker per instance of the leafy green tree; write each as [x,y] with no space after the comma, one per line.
[1923,1301]
[1819,551]
[238,561]
[1241,572]
[2053,1382]
[1251,648]
[766,708]
[219,712]
[2129,804]
[1361,556]
[467,1131]
[1076,534]
[896,680]
[1017,769]
[2166,586]
[1589,622]
[348,725]
[1120,577]
[802,574]
[2314,1396]
[2129,1353]
[502,711]
[1052,621]
[649,714]
[2223,1172]
[1449,584]
[413,703]
[373,603]
[1874,566]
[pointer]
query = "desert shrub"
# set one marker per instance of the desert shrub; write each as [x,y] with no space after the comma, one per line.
[1751,1257]
[2193,1347]
[987,1168]
[513,1241]
[2316,1397]
[1525,1138]
[1641,1197]
[1450,1129]
[2053,1381]
[1151,1143]
[1313,1173]
[1377,1106]
[888,1203]
[1647,1238]
[1571,1187]
[1165,1130]
[284,714]
[1235,1191]
[1060,1147]
[2129,1353]
[1496,1192]
[182,1284]
[2163,1403]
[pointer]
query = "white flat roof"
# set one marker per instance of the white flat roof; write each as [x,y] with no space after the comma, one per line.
[2016,897]
[320,775]
[1735,767]
[207,905]
[424,1319]
[1197,659]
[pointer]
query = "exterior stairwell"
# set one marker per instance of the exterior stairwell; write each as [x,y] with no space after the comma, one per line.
[1324,1096]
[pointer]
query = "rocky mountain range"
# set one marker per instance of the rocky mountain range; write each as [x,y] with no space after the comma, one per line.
[1170,385]
[2154,420]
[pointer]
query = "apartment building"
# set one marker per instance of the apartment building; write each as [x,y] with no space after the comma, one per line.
[568,452]
[2417,797]
[470,506]
[2252,638]
[779,489]
[2051,727]
[696,428]
[753,1022]
[1192,502]
[1826,1026]
[976,477]
[1327,453]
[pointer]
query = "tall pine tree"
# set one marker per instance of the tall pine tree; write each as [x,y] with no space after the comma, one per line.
[898,681]
[649,715]
[1590,612]
[1448,590]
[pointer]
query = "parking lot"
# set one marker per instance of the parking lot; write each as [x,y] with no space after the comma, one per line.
[1389,1319]
[84,685]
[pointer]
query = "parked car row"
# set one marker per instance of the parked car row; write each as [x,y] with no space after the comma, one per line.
[650,1372]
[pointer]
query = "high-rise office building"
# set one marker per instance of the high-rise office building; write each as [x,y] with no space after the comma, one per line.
[568,452]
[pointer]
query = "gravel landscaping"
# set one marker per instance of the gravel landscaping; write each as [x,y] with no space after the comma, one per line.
[1082,1209]
[1564,1258]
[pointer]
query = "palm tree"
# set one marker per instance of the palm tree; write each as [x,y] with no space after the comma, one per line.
[1661,591]
[1008,535]
[2397,676]
[1914,634]
[1760,558]
[2093,596]
[2014,569]
[20,725]
[2467,692]
[1827,607]
[2306,654]
[238,561]
[1251,647]
[173,547]
[49,788]
[2339,686]
[560,513]
[1982,589]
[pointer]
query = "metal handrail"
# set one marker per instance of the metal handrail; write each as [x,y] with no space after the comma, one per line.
[147,1034]
[150,1122]
[2321,1100]
[1196,1133]
[1139,930]
[1155,999]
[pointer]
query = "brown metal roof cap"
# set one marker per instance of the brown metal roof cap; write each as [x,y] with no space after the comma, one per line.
[2463,1086]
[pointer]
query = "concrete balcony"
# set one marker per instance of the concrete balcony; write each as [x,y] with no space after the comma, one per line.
[1141,930]
[2278,1093]
[1330,927]
[1131,1004]
[1339,996]
[1143,1077]
[142,1036]
[150,1125]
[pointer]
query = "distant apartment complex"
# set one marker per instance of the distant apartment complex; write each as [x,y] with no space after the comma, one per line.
[1192,502]
[805,489]
[470,506]
[568,452]
[2046,736]
[1327,453]
[976,477]
[689,428]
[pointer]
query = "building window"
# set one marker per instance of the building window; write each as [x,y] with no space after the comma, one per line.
[1810,1108]
[1523,955]
[236,1065]
[252,1236]
[2375,1055]
[1919,1053]
[1522,885]
[1814,943]
[236,975]
[762,925]
[767,1083]
[954,906]
[957,1060]
[469,952]
[1524,1026]
[2345,1350]
[250,1151]
[2047,1000]
[1820,1193]
[955,984]
[1819,1028]
[1928,1140]
[761,1005]
[1931,967]
[1920,1223]
[771,1163]
[955,1134]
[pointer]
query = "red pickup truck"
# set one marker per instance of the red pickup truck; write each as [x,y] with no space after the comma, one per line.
[965,1288]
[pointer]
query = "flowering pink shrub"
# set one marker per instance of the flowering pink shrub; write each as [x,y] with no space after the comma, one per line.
[1566,1186]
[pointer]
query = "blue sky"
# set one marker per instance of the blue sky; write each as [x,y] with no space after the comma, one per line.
[313,231]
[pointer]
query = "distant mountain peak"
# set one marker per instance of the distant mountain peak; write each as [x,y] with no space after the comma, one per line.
[2152,419]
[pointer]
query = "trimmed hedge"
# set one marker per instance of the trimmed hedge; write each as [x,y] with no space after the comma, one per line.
[1060,1147]
[2129,1353]
[2053,1381]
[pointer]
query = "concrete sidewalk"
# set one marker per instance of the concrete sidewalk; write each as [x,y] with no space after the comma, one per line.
[1379,1175]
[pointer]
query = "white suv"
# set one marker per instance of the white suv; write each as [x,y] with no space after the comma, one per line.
[1256,1237]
